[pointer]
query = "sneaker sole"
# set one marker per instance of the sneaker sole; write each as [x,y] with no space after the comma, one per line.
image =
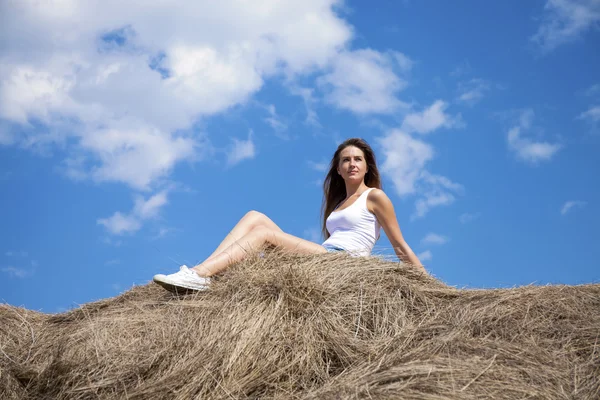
[177,289]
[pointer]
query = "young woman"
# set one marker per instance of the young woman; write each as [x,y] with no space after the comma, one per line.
[352,184]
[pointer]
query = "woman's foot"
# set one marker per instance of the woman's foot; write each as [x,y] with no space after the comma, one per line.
[183,280]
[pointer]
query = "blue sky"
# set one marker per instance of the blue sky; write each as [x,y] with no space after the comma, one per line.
[131,143]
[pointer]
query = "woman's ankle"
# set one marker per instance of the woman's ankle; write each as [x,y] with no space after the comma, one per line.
[202,271]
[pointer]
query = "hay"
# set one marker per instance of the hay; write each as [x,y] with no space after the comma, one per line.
[310,327]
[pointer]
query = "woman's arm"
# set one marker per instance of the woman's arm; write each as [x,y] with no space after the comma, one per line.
[384,211]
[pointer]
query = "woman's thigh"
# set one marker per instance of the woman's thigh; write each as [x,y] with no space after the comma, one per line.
[288,242]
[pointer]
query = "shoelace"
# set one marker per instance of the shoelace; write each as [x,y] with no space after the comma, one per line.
[188,273]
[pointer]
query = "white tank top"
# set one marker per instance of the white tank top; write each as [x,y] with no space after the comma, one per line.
[354,229]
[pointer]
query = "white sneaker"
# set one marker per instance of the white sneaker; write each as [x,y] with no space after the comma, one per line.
[185,279]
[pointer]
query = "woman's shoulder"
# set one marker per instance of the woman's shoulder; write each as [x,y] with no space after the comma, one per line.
[375,196]
[376,192]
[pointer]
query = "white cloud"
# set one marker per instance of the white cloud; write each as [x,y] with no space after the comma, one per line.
[434,238]
[526,119]
[363,81]
[120,224]
[464,68]
[572,204]
[441,182]
[425,256]
[13,253]
[319,166]
[468,217]
[241,150]
[112,242]
[21,257]
[429,120]
[592,115]
[565,21]
[136,156]
[274,120]
[436,190]
[30,91]
[163,232]
[145,209]
[17,272]
[526,149]
[7,138]
[308,96]
[472,91]
[405,159]
[403,61]
[117,86]
[593,90]
[429,200]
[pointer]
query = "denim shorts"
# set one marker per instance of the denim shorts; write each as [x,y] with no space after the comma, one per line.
[332,249]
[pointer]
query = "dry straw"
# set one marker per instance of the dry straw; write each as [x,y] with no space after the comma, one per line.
[310,327]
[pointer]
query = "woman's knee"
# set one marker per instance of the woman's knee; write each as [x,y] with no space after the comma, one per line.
[254,215]
[253,218]
[257,218]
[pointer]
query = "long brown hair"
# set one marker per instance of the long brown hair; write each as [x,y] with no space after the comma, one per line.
[334,188]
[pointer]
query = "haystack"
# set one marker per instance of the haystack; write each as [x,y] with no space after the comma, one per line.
[310,327]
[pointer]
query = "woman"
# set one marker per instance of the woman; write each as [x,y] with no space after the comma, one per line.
[352,184]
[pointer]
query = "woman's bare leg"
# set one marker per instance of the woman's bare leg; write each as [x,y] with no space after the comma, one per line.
[253,241]
[248,222]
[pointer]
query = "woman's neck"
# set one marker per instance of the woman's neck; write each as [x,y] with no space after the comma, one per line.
[351,190]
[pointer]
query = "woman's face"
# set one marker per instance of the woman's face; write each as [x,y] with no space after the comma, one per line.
[352,165]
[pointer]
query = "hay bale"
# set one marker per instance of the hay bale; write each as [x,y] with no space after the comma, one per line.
[311,327]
